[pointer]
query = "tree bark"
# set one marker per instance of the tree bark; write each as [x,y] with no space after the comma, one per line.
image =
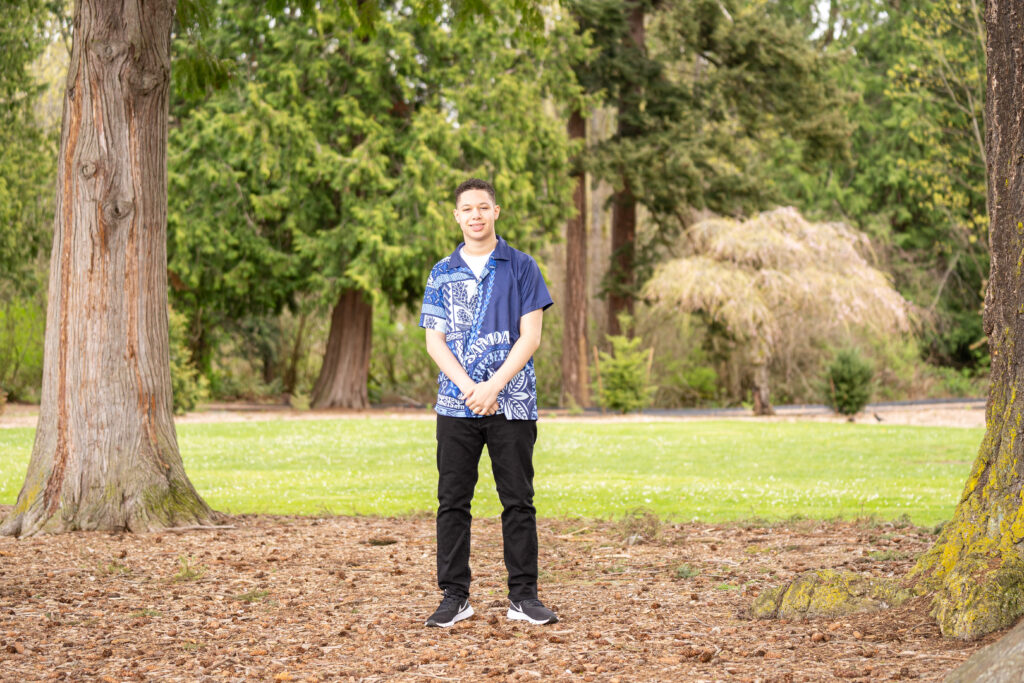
[1000,662]
[106,453]
[343,375]
[620,298]
[291,373]
[574,335]
[976,566]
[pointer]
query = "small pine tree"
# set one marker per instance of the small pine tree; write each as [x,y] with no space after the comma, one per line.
[622,381]
[848,383]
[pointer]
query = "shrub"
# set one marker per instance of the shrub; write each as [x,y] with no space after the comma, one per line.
[22,324]
[621,377]
[401,372]
[188,386]
[848,383]
[685,370]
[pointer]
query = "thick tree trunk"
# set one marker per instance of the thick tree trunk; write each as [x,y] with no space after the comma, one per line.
[620,298]
[574,336]
[106,454]
[342,380]
[976,566]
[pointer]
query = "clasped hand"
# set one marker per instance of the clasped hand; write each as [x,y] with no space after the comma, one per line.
[482,398]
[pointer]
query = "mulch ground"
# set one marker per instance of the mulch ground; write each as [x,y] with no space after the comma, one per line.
[285,598]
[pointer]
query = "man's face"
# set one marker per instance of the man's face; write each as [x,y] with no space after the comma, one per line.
[476,213]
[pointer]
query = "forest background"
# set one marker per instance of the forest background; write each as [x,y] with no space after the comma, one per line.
[311,166]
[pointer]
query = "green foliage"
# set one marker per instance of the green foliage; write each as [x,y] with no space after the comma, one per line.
[188,387]
[22,324]
[685,369]
[401,372]
[27,163]
[915,178]
[848,383]
[328,162]
[622,377]
[547,360]
[700,106]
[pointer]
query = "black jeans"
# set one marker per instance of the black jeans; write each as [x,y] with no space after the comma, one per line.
[460,441]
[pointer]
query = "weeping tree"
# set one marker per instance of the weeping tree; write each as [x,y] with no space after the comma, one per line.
[777,281]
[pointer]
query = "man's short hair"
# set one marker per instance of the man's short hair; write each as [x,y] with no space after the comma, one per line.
[475,184]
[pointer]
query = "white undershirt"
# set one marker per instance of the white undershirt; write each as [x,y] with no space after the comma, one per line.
[478,264]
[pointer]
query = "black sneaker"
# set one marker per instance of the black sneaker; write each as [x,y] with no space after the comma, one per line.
[531,610]
[451,610]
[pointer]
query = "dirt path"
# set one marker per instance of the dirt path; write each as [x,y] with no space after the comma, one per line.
[278,598]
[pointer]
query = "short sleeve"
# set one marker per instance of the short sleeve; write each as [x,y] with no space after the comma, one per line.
[432,314]
[533,292]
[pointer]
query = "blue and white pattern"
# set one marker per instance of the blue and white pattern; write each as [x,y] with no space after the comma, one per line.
[480,319]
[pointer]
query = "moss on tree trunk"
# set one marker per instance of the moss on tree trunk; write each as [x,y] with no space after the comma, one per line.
[976,566]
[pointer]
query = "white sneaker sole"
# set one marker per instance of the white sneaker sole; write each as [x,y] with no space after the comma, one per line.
[464,614]
[513,615]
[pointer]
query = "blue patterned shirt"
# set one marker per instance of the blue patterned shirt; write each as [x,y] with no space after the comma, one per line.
[480,319]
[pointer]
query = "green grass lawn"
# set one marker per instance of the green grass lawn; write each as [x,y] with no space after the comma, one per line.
[712,471]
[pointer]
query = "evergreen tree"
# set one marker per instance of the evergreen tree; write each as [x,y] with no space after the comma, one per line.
[327,167]
[702,92]
[914,179]
[26,164]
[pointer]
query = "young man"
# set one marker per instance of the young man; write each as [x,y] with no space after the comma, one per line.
[482,312]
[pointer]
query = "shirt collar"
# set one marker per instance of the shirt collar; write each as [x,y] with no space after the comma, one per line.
[502,252]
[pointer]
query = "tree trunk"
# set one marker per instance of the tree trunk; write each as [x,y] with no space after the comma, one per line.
[342,380]
[976,566]
[291,373]
[105,453]
[574,336]
[1000,662]
[762,395]
[620,298]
